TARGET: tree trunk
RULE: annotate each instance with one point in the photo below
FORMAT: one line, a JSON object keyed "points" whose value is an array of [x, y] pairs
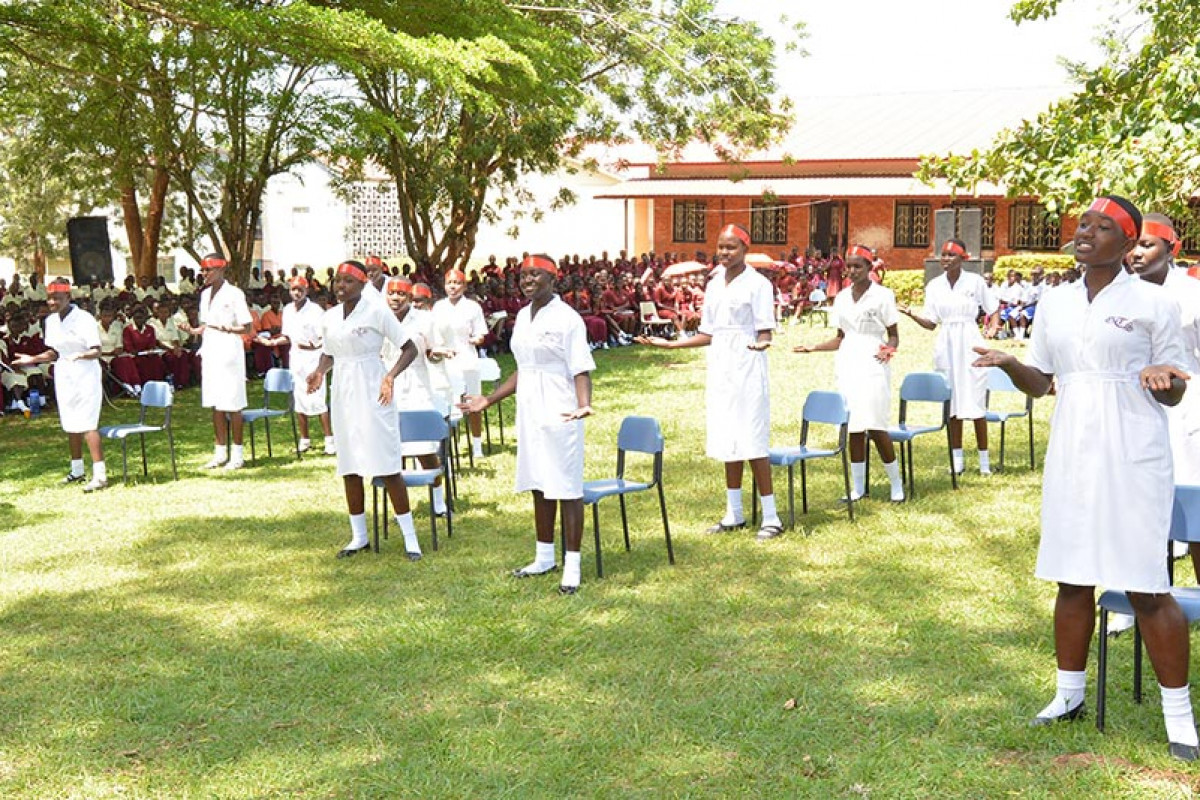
{"points": [[147, 260]]}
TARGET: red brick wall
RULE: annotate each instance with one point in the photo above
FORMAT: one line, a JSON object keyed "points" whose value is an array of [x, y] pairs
{"points": [[870, 222]]}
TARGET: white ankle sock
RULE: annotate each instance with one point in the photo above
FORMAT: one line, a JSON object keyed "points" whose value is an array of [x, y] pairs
{"points": [[99, 471], [220, 453], [358, 532], [893, 472], [858, 478], [770, 515], [305, 443], [476, 445], [77, 466], [733, 508], [439, 499], [236, 453], [543, 559], [985, 463], [957, 457], [1177, 714], [570, 576], [1070, 693], [405, 521]]}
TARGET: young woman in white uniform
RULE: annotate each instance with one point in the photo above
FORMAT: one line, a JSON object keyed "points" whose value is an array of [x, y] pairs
{"points": [[412, 390], [1112, 345], [73, 345], [459, 328], [736, 323], [364, 420], [300, 330], [953, 301], [553, 385], [224, 319], [867, 337]]}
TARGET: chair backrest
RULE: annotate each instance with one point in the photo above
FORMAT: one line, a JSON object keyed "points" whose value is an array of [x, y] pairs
{"points": [[641, 435], [826, 407], [925, 387], [817, 296], [278, 380], [648, 310], [157, 394], [489, 369], [1185, 514], [999, 381], [426, 425]]}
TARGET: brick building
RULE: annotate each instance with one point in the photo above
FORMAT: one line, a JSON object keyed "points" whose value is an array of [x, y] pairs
{"points": [[843, 174]]}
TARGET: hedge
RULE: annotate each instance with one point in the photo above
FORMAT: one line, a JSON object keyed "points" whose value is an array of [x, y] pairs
{"points": [[908, 285], [1025, 262]]}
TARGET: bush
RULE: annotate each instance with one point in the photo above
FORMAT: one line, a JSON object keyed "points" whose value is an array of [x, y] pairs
{"points": [[909, 286], [1025, 262]]}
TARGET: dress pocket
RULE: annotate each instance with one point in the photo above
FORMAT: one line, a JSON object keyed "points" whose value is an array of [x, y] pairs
{"points": [[1144, 439]]}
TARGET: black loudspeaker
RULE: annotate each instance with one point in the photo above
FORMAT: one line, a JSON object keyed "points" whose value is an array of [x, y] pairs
{"points": [[91, 253]]}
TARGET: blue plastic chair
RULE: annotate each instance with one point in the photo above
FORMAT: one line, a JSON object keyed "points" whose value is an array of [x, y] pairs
{"points": [[823, 408], [637, 435], [419, 427], [1185, 527], [999, 382], [155, 394], [922, 387], [277, 381]]}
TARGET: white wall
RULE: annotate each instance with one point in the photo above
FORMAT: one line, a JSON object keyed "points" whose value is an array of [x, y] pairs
{"points": [[304, 221]]}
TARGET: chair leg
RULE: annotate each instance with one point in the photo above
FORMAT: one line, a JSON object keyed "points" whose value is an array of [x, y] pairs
{"points": [[753, 500], [253, 452], [375, 517], [596, 535], [846, 477], [1102, 670], [500, 420], [295, 434], [125, 459], [487, 431], [1137, 662], [804, 487], [1031, 458], [662, 505], [950, 454], [624, 520], [433, 520], [171, 447], [1003, 429], [792, 496], [267, 426], [912, 472], [142, 442]]}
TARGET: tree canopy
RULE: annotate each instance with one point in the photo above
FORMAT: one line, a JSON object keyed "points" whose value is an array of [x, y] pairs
{"points": [[206, 100], [1131, 127]]}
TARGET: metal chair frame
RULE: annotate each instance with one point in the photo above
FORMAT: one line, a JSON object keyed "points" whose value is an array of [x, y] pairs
{"points": [[155, 394]]}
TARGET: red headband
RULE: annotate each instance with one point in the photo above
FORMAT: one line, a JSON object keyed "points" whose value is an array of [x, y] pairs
{"points": [[421, 290], [456, 273], [58, 285], [353, 270], [1162, 231], [374, 261], [861, 252], [214, 263], [400, 285], [954, 249], [298, 281], [738, 232], [1102, 205], [542, 263]]}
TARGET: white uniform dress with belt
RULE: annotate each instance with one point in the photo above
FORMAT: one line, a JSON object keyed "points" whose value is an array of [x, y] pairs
{"points": [[412, 390], [302, 326], [1107, 487], [368, 433], [77, 383], [861, 378], [737, 394], [955, 309], [550, 348], [1184, 419], [223, 354]]}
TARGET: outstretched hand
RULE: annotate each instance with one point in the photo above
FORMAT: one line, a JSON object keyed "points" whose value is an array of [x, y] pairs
{"points": [[579, 413], [992, 358], [652, 341], [313, 381], [758, 346], [802, 348], [473, 404]]}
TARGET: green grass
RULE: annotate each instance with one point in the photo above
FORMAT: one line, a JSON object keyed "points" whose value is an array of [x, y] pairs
{"points": [[198, 638]]}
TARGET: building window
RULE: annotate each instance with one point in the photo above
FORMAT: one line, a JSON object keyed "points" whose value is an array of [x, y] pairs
{"points": [[827, 224], [690, 220], [1031, 228], [1187, 228], [768, 223], [912, 225], [987, 230]]}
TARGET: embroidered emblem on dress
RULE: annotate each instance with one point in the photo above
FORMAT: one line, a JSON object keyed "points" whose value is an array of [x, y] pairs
{"points": [[1121, 322]]}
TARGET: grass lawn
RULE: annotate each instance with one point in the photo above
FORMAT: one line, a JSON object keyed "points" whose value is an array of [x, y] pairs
{"points": [[199, 639]]}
